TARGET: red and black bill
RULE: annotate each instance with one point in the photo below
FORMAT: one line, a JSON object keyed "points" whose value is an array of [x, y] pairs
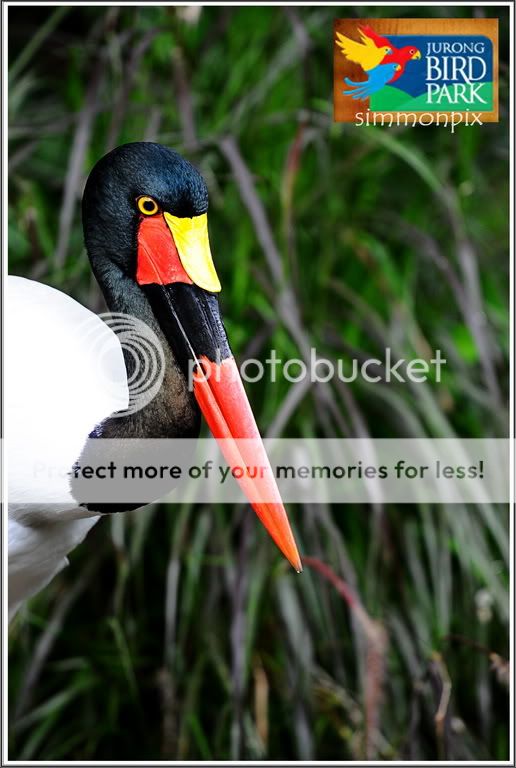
{"points": [[190, 319]]}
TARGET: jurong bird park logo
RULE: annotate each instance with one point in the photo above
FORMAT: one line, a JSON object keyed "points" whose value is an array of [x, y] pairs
{"points": [[416, 71]]}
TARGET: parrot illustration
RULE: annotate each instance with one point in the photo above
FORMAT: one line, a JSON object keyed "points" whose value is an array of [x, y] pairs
{"points": [[377, 78], [397, 55], [367, 53]]}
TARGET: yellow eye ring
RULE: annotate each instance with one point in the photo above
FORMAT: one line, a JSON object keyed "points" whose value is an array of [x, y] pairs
{"points": [[147, 205]]}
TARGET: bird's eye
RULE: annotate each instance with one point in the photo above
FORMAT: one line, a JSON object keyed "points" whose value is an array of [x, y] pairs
{"points": [[147, 205]]}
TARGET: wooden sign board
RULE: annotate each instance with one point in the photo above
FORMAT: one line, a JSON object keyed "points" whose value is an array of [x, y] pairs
{"points": [[436, 68]]}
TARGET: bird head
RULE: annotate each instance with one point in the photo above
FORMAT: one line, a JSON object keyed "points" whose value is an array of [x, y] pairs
{"points": [[145, 221], [409, 52]]}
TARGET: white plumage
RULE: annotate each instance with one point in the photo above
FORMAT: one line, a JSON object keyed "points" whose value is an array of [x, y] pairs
{"points": [[65, 373]]}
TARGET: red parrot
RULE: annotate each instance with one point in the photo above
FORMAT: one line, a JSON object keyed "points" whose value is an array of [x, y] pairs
{"points": [[398, 56]]}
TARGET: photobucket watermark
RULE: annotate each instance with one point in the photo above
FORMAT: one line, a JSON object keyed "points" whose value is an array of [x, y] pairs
{"points": [[117, 339], [321, 370]]}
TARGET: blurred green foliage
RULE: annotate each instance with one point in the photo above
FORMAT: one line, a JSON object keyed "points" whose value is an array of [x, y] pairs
{"points": [[178, 633]]}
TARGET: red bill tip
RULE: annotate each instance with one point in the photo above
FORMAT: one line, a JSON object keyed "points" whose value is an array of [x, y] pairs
{"points": [[224, 404]]}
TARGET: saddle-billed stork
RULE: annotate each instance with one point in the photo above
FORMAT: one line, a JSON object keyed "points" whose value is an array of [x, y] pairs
{"points": [[145, 229]]}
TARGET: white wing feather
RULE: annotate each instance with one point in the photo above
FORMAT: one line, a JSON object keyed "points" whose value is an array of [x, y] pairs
{"points": [[65, 373]]}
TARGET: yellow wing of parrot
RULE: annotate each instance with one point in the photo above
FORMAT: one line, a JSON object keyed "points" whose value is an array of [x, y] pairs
{"points": [[367, 54]]}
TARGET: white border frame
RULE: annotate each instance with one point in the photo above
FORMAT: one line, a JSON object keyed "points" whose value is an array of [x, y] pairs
{"points": [[401, 3]]}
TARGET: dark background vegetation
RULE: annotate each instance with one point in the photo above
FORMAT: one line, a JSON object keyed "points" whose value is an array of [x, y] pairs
{"points": [[179, 632]]}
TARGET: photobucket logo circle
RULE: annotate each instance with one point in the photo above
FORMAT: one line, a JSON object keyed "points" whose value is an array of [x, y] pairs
{"points": [[143, 354]]}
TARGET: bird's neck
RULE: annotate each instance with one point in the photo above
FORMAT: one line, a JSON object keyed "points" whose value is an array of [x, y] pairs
{"points": [[172, 411]]}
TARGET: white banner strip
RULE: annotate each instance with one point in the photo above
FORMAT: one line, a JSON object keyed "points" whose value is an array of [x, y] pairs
{"points": [[318, 471]]}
